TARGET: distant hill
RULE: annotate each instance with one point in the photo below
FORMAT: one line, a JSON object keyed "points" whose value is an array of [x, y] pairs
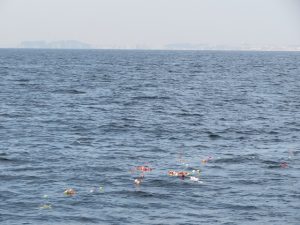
{"points": [[68, 44]]}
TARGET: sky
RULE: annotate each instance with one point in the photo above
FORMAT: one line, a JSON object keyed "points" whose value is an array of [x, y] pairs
{"points": [[151, 23]]}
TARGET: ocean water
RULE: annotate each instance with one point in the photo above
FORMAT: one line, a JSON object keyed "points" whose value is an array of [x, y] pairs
{"points": [[84, 119]]}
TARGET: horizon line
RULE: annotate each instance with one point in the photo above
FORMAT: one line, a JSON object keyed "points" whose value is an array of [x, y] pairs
{"points": [[158, 49]]}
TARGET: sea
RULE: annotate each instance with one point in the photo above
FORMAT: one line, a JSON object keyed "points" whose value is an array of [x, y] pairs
{"points": [[92, 137]]}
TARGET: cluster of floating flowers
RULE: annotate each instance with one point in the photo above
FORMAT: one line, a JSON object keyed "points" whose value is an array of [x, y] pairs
{"points": [[193, 175]]}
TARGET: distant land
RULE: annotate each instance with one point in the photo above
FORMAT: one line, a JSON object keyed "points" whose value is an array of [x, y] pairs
{"points": [[73, 44], [242, 47], [68, 44]]}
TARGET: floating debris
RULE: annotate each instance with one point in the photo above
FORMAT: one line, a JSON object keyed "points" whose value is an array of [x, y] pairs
{"points": [[284, 165], [194, 179], [46, 206], [93, 190], [70, 192], [100, 189], [291, 154], [45, 196], [183, 161], [206, 160], [196, 171]]}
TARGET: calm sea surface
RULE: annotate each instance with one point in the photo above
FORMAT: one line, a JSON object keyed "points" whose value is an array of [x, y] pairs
{"points": [[85, 120]]}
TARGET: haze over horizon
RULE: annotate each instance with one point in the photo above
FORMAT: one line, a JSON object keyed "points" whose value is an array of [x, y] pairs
{"points": [[153, 24]]}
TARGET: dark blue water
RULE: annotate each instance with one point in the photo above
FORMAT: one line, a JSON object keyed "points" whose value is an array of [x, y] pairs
{"points": [[85, 119]]}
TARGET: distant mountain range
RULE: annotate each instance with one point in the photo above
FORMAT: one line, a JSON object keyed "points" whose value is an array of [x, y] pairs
{"points": [[68, 44]]}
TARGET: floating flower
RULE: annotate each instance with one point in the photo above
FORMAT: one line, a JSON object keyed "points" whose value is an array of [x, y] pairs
{"points": [[101, 189], [143, 168], [178, 174], [284, 165], [138, 181], [70, 192]]}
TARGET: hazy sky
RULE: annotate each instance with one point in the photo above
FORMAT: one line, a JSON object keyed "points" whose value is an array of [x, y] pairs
{"points": [[151, 22]]}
